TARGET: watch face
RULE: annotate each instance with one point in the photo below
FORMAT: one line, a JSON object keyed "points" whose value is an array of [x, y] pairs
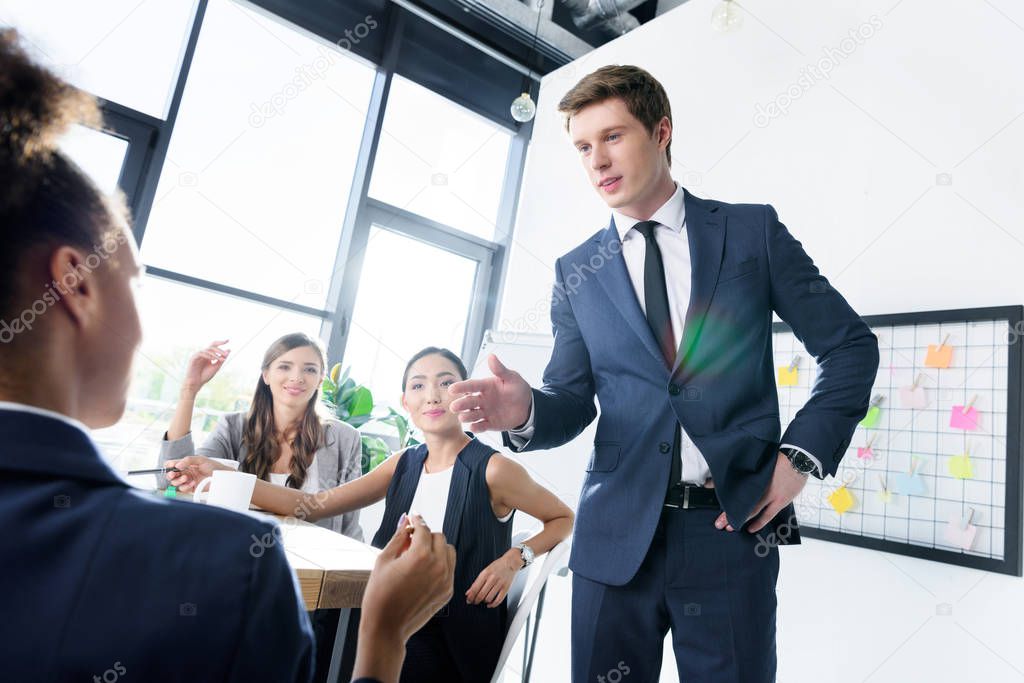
{"points": [[801, 463]]}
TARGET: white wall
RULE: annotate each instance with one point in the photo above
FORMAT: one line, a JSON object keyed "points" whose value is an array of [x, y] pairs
{"points": [[852, 169]]}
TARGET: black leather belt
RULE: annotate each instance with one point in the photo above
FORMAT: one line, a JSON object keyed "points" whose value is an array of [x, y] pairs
{"points": [[689, 496]]}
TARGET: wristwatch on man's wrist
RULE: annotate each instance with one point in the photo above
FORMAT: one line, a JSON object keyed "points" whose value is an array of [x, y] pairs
{"points": [[799, 460]]}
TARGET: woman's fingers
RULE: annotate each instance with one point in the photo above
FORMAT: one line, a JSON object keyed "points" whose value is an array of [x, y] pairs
{"points": [[498, 598], [492, 592], [475, 588]]}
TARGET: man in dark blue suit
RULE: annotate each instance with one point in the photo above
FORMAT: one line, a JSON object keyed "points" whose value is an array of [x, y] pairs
{"points": [[665, 316]]}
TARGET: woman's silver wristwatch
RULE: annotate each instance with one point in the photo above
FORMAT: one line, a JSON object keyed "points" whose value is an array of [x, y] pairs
{"points": [[527, 554]]}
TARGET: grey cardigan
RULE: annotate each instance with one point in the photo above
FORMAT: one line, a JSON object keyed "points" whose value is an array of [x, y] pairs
{"points": [[338, 461]]}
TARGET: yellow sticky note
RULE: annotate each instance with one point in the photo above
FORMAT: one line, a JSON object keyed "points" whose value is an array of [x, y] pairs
{"points": [[841, 499], [885, 495], [960, 467], [938, 356], [787, 377], [871, 419]]}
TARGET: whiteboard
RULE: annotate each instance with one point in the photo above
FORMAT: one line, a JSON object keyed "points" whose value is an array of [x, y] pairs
{"points": [[941, 480]]}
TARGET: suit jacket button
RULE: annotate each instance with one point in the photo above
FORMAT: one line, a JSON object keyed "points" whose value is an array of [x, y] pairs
{"points": [[674, 389], [664, 446]]}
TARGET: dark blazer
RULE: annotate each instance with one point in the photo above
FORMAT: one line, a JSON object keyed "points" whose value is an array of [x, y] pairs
{"points": [[100, 578], [745, 265]]}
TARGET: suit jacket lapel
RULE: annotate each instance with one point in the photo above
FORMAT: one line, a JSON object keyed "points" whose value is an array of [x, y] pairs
{"points": [[705, 234], [615, 279]]}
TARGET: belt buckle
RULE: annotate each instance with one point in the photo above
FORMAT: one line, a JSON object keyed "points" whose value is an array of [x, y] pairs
{"points": [[686, 497]]}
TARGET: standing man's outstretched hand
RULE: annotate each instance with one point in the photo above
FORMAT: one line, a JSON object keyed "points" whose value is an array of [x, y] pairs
{"points": [[501, 402]]}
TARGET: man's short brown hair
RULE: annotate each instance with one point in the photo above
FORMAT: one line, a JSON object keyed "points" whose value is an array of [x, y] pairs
{"points": [[644, 96]]}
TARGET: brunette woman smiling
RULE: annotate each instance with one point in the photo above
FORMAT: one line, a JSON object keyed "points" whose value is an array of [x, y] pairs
{"points": [[283, 439]]}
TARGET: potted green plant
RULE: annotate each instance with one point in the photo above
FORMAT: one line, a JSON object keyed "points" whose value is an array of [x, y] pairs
{"points": [[352, 403]]}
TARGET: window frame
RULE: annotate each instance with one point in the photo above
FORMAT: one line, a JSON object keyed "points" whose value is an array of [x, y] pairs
{"points": [[149, 138]]}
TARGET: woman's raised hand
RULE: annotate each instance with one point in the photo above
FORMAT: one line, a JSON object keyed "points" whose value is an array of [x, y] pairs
{"points": [[204, 365]]}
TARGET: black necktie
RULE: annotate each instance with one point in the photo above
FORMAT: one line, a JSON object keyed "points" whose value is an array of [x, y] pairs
{"points": [[659, 317]]}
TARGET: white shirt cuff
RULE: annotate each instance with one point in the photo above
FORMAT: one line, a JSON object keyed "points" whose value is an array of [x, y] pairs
{"points": [[520, 437]]}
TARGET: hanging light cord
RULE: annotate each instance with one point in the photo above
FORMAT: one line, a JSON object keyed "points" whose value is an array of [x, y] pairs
{"points": [[536, 31]]}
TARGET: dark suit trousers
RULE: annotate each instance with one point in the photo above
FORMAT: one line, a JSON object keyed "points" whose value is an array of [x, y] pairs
{"points": [[713, 588]]}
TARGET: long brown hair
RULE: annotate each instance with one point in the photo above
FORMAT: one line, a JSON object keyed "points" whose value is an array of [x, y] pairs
{"points": [[259, 437]]}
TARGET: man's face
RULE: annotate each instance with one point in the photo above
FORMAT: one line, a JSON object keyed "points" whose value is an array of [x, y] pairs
{"points": [[622, 159]]}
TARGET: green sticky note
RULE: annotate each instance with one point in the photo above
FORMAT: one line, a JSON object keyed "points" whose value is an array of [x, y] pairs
{"points": [[871, 419]]}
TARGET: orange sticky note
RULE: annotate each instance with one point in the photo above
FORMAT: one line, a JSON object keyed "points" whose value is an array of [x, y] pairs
{"points": [[787, 377], [938, 356], [841, 499]]}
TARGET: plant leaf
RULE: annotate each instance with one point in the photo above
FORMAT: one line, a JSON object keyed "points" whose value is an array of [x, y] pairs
{"points": [[362, 402]]}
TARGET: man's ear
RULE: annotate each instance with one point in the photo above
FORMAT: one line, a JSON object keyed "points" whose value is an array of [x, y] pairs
{"points": [[79, 293], [664, 131]]}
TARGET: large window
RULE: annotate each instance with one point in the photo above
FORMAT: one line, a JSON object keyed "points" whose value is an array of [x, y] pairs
{"points": [[122, 50], [254, 187], [280, 183], [440, 160], [411, 295]]}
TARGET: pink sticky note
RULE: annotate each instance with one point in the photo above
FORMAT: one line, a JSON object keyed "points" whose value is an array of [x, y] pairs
{"points": [[911, 397], [865, 453], [958, 534], [958, 419]]}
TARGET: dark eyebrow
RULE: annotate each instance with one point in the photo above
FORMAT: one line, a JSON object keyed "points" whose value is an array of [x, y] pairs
{"points": [[440, 374]]}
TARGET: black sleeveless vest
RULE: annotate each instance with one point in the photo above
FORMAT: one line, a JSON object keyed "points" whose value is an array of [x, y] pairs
{"points": [[474, 633]]}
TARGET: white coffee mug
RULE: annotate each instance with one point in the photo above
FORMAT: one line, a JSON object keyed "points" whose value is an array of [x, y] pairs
{"points": [[231, 490]]}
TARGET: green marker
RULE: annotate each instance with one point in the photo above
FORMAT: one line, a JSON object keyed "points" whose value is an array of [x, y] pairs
{"points": [[171, 492]]}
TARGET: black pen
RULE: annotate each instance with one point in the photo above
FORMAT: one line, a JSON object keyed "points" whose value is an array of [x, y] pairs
{"points": [[158, 470]]}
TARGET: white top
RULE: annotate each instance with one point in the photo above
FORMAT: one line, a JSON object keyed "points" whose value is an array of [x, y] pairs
{"points": [[670, 234], [312, 483], [431, 499]]}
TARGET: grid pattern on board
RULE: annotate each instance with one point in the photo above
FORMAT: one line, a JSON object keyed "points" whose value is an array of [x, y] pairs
{"points": [[921, 438]]}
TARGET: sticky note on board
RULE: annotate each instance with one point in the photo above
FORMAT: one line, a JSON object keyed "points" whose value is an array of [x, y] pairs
{"points": [[960, 535], [865, 453], [871, 418], [884, 495], [787, 377], [910, 484], [960, 466], [938, 356], [913, 397], [958, 419], [841, 499]]}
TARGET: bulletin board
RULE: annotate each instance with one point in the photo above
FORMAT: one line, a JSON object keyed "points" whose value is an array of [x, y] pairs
{"points": [[934, 469]]}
